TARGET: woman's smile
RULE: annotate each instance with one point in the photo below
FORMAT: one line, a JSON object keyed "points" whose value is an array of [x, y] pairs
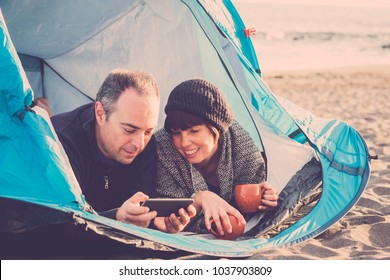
{"points": [[191, 153]]}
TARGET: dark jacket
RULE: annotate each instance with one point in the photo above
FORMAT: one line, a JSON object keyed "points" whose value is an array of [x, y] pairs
{"points": [[76, 131]]}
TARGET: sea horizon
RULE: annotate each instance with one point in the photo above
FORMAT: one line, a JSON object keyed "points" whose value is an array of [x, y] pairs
{"points": [[308, 37]]}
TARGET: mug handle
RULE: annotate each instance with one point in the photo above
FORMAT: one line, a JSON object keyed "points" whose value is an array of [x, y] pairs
{"points": [[213, 228]]}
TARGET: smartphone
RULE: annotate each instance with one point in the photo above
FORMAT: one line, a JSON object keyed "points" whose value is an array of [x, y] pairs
{"points": [[167, 206]]}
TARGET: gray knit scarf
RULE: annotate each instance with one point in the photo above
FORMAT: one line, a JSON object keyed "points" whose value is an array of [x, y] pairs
{"points": [[240, 163]]}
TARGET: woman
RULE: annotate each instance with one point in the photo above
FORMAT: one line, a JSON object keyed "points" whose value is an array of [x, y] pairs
{"points": [[203, 153]]}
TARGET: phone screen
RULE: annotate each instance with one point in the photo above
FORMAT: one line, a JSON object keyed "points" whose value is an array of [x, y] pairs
{"points": [[167, 206]]}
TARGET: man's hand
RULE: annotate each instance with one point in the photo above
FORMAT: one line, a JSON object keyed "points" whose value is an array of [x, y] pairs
{"points": [[44, 104], [173, 223], [131, 212]]}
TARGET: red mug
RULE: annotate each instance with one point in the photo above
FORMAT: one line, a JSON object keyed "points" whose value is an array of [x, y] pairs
{"points": [[237, 229], [248, 197]]}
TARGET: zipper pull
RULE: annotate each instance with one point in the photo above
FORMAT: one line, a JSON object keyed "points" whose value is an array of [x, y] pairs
{"points": [[106, 182]]}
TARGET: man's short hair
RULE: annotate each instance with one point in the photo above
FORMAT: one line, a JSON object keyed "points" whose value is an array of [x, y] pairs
{"points": [[121, 79]]}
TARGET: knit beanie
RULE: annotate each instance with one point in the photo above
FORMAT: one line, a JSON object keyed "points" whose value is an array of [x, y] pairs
{"points": [[201, 98]]}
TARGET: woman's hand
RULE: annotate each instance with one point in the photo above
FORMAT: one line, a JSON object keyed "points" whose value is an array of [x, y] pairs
{"points": [[217, 209], [173, 223], [270, 197]]}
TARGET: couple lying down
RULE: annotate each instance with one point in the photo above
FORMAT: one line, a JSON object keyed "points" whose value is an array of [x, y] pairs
{"points": [[201, 152]]}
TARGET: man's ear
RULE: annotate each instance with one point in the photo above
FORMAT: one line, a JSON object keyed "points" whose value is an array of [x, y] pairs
{"points": [[100, 114]]}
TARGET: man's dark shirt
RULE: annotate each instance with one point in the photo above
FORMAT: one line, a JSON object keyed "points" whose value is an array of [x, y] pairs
{"points": [[106, 184]]}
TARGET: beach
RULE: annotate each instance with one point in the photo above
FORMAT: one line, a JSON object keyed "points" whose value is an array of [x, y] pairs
{"points": [[300, 49], [359, 96]]}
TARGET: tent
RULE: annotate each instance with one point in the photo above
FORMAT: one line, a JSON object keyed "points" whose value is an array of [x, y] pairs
{"points": [[63, 51]]}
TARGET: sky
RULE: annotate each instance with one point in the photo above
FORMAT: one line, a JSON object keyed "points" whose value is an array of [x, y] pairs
{"points": [[375, 3]]}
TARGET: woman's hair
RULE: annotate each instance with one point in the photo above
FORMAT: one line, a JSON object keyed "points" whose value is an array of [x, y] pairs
{"points": [[179, 120]]}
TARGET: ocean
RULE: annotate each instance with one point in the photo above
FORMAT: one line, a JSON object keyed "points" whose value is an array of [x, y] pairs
{"points": [[303, 37]]}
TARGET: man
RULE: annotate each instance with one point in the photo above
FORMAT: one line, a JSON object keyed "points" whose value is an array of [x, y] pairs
{"points": [[111, 149]]}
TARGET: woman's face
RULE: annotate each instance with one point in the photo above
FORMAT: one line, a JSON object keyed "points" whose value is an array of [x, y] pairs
{"points": [[196, 144]]}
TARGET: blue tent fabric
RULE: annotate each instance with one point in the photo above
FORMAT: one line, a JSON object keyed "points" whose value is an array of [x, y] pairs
{"points": [[34, 167], [14, 85]]}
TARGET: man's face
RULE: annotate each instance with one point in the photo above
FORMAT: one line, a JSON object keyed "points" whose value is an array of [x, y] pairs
{"points": [[129, 127]]}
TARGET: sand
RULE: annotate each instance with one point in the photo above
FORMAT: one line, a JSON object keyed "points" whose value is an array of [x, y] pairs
{"points": [[360, 96]]}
